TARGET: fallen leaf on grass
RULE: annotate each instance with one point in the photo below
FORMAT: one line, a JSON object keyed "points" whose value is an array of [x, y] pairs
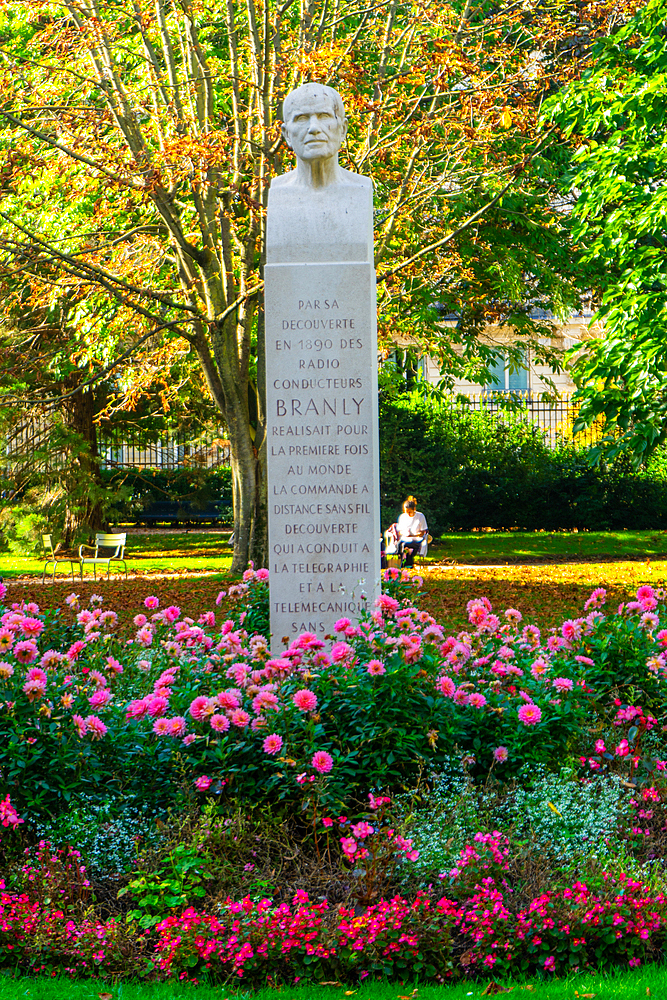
{"points": [[350, 993], [584, 996], [330, 982], [494, 988], [105, 996]]}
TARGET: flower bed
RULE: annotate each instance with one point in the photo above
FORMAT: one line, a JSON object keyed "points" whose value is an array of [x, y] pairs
{"points": [[202, 717], [429, 937]]}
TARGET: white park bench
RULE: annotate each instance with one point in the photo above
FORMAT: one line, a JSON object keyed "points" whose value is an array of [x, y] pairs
{"points": [[114, 551]]}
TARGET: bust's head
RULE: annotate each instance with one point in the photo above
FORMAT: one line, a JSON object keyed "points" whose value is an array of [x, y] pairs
{"points": [[314, 122]]}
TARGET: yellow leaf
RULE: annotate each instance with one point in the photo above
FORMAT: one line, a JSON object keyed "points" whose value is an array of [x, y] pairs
{"points": [[506, 118], [553, 809], [105, 996]]}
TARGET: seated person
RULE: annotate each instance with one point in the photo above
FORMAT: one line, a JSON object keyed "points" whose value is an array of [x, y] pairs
{"points": [[413, 529]]}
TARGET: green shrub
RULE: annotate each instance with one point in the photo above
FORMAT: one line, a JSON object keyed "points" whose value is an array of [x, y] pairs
{"points": [[479, 469]]}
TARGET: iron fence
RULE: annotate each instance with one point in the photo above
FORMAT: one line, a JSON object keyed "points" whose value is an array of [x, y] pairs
{"points": [[555, 418], [117, 450], [28, 444]]}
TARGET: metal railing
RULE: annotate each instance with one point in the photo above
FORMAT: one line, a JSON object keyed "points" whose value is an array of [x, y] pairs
{"points": [[555, 418], [171, 451], [28, 445]]}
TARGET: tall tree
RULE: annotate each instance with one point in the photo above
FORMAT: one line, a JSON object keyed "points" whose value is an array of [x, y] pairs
{"points": [[140, 137], [617, 117]]}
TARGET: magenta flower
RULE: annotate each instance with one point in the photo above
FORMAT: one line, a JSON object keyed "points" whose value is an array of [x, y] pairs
{"points": [[203, 783], [100, 698], [161, 727], [157, 705], [562, 683], [530, 714], [477, 700], [95, 727], [445, 685], [198, 707], [273, 744], [549, 964], [362, 830], [375, 668], [152, 603], [305, 700], [342, 624], [26, 651], [177, 725], [220, 723], [341, 651], [349, 846], [262, 575], [322, 762], [171, 613], [31, 627], [80, 724], [500, 754], [240, 718]]}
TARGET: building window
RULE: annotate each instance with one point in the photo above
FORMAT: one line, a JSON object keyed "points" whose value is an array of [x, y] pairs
{"points": [[515, 380]]}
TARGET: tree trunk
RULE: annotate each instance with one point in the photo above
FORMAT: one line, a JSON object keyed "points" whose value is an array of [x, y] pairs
{"points": [[82, 477]]}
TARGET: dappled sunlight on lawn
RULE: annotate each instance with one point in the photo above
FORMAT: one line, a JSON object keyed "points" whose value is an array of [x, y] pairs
{"points": [[545, 593]]}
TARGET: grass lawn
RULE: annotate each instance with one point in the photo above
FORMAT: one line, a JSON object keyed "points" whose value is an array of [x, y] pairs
{"points": [[196, 552], [189, 568], [172, 552], [650, 981], [537, 546]]}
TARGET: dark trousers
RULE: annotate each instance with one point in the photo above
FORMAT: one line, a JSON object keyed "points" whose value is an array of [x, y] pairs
{"points": [[408, 551]]}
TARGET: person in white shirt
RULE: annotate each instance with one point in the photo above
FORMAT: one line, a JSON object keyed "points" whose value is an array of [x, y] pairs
{"points": [[413, 529]]}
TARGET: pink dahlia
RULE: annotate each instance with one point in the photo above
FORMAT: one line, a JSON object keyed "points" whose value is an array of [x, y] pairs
{"points": [[562, 683], [198, 707], [273, 744], [177, 725], [500, 754], [477, 700], [240, 718], [220, 723], [322, 761], [26, 651], [100, 698], [375, 668], [305, 700], [445, 685], [95, 727], [152, 603], [530, 714], [31, 627]]}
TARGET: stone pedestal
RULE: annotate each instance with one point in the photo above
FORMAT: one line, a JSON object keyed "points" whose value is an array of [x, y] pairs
{"points": [[321, 364]]}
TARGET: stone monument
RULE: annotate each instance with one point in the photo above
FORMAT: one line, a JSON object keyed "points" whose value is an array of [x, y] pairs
{"points": [[321, 374]]}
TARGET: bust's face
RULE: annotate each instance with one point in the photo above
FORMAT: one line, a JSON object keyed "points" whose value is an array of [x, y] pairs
{"points": [[312, 129]]}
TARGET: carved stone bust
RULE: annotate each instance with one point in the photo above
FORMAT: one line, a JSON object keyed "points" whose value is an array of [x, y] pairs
{"points": [[319, 212], [315, 126]]}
